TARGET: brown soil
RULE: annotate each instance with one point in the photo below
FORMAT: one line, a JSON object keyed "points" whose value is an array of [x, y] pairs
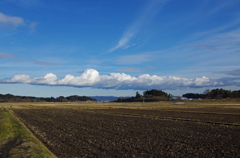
{"points": [[208, 110], [75, 133], [224, 116]]}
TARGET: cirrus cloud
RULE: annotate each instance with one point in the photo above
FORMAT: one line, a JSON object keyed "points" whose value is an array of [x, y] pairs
{"points": [[92, 78], [151, 9]]}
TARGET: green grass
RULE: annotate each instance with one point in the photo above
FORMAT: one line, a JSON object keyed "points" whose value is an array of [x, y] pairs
{"points": [[17, 141]]}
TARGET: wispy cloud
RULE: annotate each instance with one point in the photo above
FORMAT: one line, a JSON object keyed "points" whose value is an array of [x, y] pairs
{"points": [[213, 50], [129, 70], [237, 51], [32, 26], [153, 7], [26, 3], [9, 34], [43, 63], [36, 62], [235, 72], [92, 78], [205, 47], [222, 28], [5, 55], [6, 20], [151, 68], [220, 5]]}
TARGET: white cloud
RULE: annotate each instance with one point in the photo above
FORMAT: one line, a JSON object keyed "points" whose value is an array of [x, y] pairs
{"points": [[88, 78], [48, 79], [153, 7], [92, 78], [19, 78], [15, 21], [124, 40], [11, 20]]}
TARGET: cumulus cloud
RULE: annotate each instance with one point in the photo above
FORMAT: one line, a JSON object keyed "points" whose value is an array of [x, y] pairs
{"points": [[19, 78], [92, 78], [48, 79]]}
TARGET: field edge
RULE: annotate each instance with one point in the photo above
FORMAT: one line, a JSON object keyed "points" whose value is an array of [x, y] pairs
{"points": [[17, 140]]}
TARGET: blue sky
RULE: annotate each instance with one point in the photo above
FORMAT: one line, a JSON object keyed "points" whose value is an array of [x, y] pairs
{"points": [[59, 47]]}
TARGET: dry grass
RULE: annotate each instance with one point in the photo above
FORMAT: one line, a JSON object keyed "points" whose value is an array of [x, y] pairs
{"points": [[138, 105], [17, 141]]}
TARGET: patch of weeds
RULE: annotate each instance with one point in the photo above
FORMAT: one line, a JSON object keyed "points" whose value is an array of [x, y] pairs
{"points": [[6, 126], [17, 141], [197, 120]]}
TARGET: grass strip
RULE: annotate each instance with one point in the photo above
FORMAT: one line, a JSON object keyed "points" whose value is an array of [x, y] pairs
{"points": [[16, 141]]}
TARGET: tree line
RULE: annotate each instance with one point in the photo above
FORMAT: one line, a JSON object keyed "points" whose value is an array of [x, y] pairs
{"points": [[158, 95], [214, 94], [147, 96], [73, 98]]}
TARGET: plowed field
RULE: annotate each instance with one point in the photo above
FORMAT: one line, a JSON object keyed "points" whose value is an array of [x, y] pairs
{"points": [[76, 133], [223, 116]]}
